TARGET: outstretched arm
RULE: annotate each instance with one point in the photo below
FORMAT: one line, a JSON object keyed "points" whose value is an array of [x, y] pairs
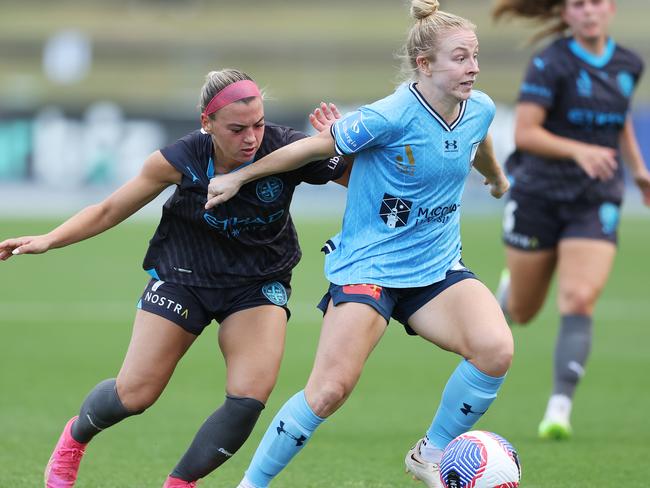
{"points": [[321, 119], [634, 159], [486, 163], [156, 174], [287, 158]]}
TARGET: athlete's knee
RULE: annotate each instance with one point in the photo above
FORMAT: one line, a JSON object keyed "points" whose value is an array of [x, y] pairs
{"points": [[327, 396], [521, 315], [137, 397], [257, 384], [494, 356], [260, 391], [579, 300]]}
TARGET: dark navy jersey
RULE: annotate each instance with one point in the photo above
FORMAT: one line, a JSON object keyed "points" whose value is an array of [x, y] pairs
{"points": [[587, 99], [248, 238]]}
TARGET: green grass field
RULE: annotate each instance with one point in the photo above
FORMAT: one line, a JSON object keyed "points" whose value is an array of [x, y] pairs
{"points": [[65, 321]]}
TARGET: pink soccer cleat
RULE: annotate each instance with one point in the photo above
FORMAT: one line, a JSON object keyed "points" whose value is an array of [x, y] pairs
{"points": [[172, 482], [61, 469]]}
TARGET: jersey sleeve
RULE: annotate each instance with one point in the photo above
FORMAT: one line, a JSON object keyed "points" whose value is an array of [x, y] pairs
{"points": [[183, 155], [638, 67], [360, 130], [540, 82], [320, 172], [487, 109]]}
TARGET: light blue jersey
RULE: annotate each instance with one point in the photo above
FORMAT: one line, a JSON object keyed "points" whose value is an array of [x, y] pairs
{"points": [[401, 226]]}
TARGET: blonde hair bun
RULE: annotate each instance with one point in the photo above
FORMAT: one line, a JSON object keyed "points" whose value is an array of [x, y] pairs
{"points": [[421, 9]]}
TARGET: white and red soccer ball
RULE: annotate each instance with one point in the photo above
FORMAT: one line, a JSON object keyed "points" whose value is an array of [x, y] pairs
{"points": [[480, 459]]}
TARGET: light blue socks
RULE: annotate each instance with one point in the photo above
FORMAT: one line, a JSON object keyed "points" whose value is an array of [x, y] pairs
{"points": [[288, 433], [467, 396]]}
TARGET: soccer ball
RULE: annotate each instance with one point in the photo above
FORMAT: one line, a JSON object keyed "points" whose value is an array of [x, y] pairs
{"points": [[480, 459]]}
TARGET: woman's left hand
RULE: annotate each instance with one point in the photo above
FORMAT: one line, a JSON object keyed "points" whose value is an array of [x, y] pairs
{"points": [[642, 180], [498, 185], [323, 117]]}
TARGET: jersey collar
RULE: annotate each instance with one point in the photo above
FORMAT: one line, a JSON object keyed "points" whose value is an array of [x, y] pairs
{"points": [[210, 171], [590, 58], [436, 115]]}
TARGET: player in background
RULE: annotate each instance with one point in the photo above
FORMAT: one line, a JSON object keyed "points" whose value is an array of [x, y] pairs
{"points": [[231, 264], [573, 130], [399, 251]]}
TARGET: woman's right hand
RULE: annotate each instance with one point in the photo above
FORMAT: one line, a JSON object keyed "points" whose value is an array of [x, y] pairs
{"points": [[323, 117], [597, 161], [222, 188], [23, 245]]}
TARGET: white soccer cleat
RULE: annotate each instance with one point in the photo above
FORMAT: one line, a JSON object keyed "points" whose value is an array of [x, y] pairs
{"points": [[554, 430], [421, 470], [556, 424], [245, 483]]}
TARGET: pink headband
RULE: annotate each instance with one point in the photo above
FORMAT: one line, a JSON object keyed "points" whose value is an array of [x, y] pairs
{"points": [[233, 92]]}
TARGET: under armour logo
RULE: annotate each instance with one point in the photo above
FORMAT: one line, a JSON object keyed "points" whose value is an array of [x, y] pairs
{"points": [[451, 146], [299, 440], [467, 409]]}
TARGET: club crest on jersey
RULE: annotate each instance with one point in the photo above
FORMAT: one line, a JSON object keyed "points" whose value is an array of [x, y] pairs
{"points": [[395, 211], [269, 189], [625, 83], [408, 167], [275, 292]]}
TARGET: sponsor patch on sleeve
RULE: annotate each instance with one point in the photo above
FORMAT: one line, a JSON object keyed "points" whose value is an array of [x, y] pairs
{"points": [[352, 134]]}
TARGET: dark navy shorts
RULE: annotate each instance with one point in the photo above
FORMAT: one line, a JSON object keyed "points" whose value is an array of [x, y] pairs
{"points": [[399, 303], [531, 223], [194, 307]]}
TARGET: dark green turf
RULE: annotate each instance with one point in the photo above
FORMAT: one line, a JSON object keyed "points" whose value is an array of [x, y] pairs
{"points": [[65, 320]]}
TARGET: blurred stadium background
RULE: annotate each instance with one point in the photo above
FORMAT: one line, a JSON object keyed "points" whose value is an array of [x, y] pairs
{"points": [[89, 88]]}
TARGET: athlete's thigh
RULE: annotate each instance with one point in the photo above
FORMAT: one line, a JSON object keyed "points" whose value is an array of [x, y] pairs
{"points": [[350, 332], [583, 269], [530, 278], [463, 318], [252, 343], [531, 230], [157, 344]]}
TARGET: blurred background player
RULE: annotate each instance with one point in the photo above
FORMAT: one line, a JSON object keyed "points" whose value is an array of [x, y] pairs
{"points": [[573, 129], [232, 264], [398, 253]]}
